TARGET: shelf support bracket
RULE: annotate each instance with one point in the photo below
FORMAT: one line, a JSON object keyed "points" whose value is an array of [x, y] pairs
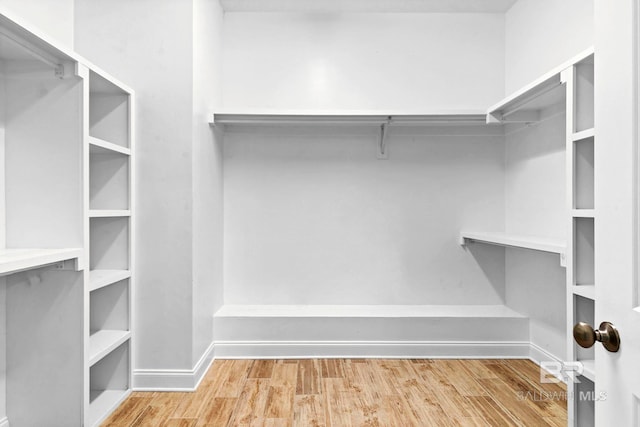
{"points": [[563, 259], [383, 153]]}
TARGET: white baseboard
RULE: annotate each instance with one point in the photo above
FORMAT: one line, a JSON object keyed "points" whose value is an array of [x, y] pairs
{"points": [[4, 422], [538, 355], [369, 349], [173, 379], [189, 379]]}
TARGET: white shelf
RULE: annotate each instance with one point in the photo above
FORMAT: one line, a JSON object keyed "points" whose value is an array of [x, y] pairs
{"points": [[99, 146], [109, 213], [583, 213], [16, 260], [103, 342], [101, 278], [103, 402], [582, 135], [586, 291], [541, 93], [355, 117], [589, 369], [556, 246]]}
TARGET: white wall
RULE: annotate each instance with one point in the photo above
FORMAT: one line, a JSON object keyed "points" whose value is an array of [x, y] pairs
{"points": [[312, 217], [207, 172], [363, 61], [148, 45], [542, 34], [54, 17]]}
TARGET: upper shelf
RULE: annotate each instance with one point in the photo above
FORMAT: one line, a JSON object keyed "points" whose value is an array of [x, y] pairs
{"points": [[525, 104], [16, 260], [346, 117], [544, 244]]}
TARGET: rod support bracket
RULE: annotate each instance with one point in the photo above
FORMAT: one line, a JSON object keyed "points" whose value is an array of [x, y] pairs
{"points": [[383, 152]]}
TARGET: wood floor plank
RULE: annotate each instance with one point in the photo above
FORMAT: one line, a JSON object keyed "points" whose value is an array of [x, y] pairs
{"points": [[338, 412], [217, 412], [491, 412], [332, 368], [308, 410], [285, 375], [262, 369], [252, 403], [279, 401], [233, 378], [308, 377], [461, 378]]}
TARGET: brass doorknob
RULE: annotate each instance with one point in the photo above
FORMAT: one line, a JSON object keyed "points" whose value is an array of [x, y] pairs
{"points": [[608, 335]]}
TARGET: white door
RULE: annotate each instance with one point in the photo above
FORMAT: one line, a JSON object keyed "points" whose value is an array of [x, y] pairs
{"points": [[616, 197]]}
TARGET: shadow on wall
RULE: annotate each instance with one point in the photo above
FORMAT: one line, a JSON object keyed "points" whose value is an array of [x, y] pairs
{"points": [[491, 260]]}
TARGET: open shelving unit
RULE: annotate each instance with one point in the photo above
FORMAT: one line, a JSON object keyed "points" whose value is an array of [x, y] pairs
{"points": [[581, 286], [108, 294]]}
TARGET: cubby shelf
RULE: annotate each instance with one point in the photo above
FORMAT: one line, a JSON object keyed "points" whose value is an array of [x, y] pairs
{"points": [[16, 260], [99, 146], [103, 342], [589, 369], [582, 135], [583, 213], [109, 213], [586, 291], [101, 278], [556, 246]]}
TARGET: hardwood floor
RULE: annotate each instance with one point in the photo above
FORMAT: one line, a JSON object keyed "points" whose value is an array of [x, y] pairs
{"points": [[355, 392]]}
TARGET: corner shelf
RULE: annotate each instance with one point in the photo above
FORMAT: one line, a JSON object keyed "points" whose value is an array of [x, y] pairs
{"points": [[16, 260], [586, 291], [99, 146], [543, 244], [104, 342], [582, 135], [109, 213], [583, 213], [101, 278]]}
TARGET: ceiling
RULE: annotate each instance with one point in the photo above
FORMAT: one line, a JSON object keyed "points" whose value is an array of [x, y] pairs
{"points": [[390, 6]]}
